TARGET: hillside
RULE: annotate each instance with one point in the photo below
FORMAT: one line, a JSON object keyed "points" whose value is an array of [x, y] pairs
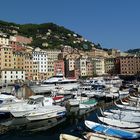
{"points": [[48, 35], [134, 51]]}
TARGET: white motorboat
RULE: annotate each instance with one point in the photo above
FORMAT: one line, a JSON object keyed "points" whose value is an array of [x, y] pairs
{"points": [[123, 117], [34, 102], [112, 95], [134, 98], [82, 107], [118, 111], [55, 81], [8, 100], [114, 80], [46, 113], [59, 79], [127, 107], [123, 92], [121, 124], [99, 94]]}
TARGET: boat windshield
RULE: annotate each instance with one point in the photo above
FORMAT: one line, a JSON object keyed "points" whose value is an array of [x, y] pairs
{"points": [[31, 102]]}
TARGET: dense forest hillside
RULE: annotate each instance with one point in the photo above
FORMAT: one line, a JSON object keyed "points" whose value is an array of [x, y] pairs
{"points": [[48, 35]]}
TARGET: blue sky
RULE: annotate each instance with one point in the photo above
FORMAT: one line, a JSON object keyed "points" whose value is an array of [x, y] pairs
{"points": [[112, 23]]}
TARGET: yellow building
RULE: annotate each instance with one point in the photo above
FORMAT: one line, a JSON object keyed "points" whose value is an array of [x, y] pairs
{"points": [[97, 53], [11, 65], [6, 57], [52, 56], [99, 66], [35, 71], [28, 66], [24, 61], [50, 68], [19, 60]]}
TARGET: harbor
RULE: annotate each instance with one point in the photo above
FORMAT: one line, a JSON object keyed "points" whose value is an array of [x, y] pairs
{"points": [[77, 109], [69, 70]]}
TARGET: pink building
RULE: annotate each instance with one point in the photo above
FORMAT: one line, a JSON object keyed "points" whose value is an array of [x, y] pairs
{"points": [[59, 67], [18, 43]]}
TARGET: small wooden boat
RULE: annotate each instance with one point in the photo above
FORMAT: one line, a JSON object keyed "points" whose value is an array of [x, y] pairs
{"points": [[111, 131], [68, 137], [98, 136]]}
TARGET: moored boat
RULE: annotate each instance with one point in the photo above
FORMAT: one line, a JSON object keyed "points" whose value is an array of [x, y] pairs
{"points": [[68, 137], [99, 136], [133, 108], [6, 102], [121, 124], [34, 103], [57, 80], [111, 131], [120, 111], [123, 117], [46, 113]]}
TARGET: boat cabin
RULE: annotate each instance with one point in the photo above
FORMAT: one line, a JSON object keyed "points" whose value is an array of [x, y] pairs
{"points": [[40, 99]]}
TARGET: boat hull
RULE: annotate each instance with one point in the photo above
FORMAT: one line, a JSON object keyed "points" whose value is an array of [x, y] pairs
{"points": [[111, 131], [68, 137], [35, 117], [121, 124]]}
